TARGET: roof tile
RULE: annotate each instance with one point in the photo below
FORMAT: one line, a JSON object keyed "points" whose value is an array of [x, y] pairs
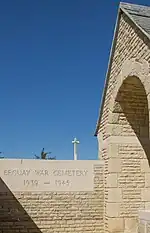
{"points": [[140, 14]]}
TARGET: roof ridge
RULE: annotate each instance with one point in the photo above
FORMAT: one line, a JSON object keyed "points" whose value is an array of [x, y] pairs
{"points": [[136, 9], [140, 17], [134, 5]]}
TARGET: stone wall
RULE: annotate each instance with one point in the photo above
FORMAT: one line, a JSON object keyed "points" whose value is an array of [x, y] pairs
{"points": [[130, 44], [124, 131], [52, 211], [144, 222]]}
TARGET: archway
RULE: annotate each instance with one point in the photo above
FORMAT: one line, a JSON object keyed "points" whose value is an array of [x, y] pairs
{"points": [[129, 163], [130, 110]]}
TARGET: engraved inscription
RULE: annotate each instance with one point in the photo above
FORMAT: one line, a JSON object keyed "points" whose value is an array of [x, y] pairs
{"points": [[30, 182], [17, 172], [62, 182], [41, 172], [70, 172], [31, 175]]}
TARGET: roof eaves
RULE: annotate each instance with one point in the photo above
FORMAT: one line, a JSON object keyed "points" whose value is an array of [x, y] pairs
{"points": [[108, 71]]}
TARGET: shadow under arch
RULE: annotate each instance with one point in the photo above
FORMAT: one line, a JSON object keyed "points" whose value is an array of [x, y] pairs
{"points": [[131, 107], [130, 123]]}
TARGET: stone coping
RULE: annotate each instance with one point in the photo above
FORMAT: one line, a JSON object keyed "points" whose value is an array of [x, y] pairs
{"points": [[99, 162]]}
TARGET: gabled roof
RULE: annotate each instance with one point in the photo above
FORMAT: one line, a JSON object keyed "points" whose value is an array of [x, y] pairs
{"points": [[140, 16]]}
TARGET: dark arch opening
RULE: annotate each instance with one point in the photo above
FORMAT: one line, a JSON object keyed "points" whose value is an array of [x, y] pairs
{"points": [[132, 105], [131, 115]]}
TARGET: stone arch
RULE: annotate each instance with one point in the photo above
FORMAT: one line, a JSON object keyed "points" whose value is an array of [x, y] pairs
{"points": [[130, 110], [132, 68], [128, 179]]}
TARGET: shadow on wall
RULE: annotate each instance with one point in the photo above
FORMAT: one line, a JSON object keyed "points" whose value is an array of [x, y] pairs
{"points": [[132, 104], [13, 217]]}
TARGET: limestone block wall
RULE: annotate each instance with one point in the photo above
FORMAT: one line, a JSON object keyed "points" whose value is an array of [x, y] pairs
{"points": [[144, 222], [47, 212], [130, 44], [124, 131]]}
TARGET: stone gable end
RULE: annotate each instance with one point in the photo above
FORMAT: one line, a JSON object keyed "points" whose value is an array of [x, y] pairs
{"points": [[123, 129]]}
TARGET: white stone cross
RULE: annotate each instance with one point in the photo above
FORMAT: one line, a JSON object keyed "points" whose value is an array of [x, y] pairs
{"points": [[75, 142]]}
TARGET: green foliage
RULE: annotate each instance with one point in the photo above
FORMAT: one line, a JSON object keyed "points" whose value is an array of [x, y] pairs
{"points": [[44, 155]]}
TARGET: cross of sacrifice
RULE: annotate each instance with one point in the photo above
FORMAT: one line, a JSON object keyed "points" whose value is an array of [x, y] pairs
{"points": [[75, 142]]}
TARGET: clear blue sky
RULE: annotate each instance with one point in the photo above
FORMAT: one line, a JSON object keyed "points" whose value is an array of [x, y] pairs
{"points": [[53, 60]]}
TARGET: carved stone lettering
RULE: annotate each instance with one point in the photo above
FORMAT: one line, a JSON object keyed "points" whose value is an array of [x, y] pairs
{"points": [[62, 182], [70, 172], [38, 175], [17, 172], [42, 172], [30, 182]]}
